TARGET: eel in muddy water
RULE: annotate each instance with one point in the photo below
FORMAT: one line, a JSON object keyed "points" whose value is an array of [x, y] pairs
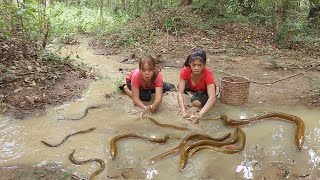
{"points": [[192, 136], [300, 131], [166, 125], [84, 114], [95, 173], [68, 136], [143, 116], [113, 147], [238, 134], [229, 149]]}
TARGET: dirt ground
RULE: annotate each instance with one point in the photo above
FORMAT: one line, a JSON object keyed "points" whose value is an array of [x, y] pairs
{"points": [[29, 85], [278, 76]]}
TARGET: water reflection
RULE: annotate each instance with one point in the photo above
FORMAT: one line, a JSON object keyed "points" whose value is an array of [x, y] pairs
{"points": [[314, 158]]}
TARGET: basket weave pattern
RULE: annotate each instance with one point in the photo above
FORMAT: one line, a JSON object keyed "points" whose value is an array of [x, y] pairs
{"points": [[234, 90]]}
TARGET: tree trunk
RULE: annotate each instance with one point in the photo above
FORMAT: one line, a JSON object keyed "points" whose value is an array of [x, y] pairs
{"points": [[123, 5], [185, 2], [281, 15], [101, 14], [21, 28]]}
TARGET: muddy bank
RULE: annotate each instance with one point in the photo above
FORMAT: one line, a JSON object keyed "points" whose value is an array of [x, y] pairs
{"points": [[31, 81]]}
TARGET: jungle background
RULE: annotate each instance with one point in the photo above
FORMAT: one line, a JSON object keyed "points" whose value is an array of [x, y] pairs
{"points": [[34, 76]]}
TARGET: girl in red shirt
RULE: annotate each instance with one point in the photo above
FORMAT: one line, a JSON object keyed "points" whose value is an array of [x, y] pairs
{"points": [[147, 79], [197, 81]]}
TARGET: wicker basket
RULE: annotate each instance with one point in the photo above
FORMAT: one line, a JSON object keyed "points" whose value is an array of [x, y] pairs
{"points": [[234, 90]]}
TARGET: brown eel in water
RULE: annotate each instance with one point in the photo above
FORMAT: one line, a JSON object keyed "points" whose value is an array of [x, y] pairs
{"points": [[185, 149], [166, 125], [225, 149], [67, 137], [192, 136], [143, 116], [95, 173], [113, 147], [300, 131], [84, 114]]}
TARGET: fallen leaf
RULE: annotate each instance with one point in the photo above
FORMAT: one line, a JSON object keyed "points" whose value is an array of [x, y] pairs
{"points": [[33, 83], [17, 90]]}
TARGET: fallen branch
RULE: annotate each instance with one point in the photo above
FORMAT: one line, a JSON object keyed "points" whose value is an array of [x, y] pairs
{"points": [[273, 82]]}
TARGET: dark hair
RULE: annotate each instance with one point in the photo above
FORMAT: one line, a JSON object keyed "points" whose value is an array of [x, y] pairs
{"points": [[152, 63], [196, 54]]}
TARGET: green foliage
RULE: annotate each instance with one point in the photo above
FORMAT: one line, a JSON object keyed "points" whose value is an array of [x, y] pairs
{"points": [[206, 7], [294, 30], [260, 18], [3, 9], [53, 56], [29, 20], [118, 82], [64, 175], [81, 19], [176, 24], [138, 8], [226, 19]]}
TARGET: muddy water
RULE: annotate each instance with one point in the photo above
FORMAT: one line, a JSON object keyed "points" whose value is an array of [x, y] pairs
{"points": [[270, 150]]}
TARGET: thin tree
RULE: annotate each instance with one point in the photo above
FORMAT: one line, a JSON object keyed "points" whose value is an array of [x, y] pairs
{"points": [[123, 5], [101, 20], [20, 16]]}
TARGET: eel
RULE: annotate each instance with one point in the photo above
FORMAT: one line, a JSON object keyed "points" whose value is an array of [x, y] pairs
{"points": [[113, 147], [166, 125], [225, 149], [68, 136], [84, 114], [192, 136], [185, 149], [300, 130], [143, 116], [95, 173]]}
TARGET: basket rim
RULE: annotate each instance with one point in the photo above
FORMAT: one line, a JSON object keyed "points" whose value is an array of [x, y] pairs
{"points": [[245, 80]]}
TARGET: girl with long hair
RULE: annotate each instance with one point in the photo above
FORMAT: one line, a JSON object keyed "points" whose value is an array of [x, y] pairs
{"points": [[140, 83], [197, 81]]}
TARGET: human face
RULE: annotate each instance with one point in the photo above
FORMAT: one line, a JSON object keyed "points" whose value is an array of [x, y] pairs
{"points": [[146, 72], [197, 67]]}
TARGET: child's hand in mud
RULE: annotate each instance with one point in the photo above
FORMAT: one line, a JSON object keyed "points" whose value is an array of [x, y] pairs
{"points": [[195, 118], [147, 112], [184, 113]]}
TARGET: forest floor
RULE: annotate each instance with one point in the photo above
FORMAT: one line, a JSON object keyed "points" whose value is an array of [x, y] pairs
{"points": [[29, 85]]}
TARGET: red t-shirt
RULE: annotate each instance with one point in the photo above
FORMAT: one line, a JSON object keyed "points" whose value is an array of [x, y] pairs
{"points": [[206, 79], [135, 78]]}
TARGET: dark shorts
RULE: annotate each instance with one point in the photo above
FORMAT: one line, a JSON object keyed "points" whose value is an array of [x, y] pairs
{"points": [[145, 95], [201, 96]]}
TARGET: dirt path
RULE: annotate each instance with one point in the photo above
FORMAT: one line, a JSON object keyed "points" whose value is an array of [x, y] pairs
{"points": [[280, 80]]}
